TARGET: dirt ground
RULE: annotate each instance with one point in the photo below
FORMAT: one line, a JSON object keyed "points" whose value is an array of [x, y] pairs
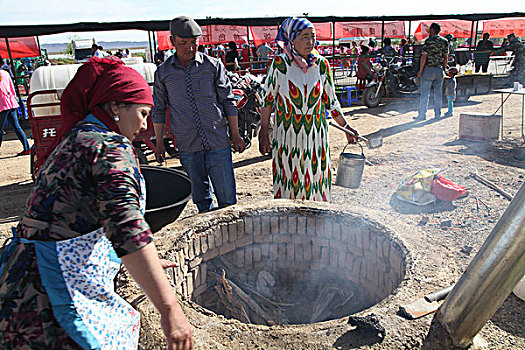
{"points": [[452, 232]]}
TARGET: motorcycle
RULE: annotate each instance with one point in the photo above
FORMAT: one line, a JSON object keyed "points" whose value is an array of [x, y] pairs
{"points": [[391, 80], [247, 90]]}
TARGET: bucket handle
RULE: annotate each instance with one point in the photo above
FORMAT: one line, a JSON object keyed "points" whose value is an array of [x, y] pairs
{"points": [[362, 151]]}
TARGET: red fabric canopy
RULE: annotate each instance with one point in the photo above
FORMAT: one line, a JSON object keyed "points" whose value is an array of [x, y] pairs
{"points": [[20, 47], [323, 31], [365, 29], [460, 29], [264, 34], [502, 28]]}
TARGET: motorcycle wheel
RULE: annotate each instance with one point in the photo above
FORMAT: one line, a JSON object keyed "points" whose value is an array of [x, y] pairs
{"points": [[369, 97]]}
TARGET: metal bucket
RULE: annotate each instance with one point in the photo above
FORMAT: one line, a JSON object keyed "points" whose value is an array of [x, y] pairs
{"points": [[350, 169]]}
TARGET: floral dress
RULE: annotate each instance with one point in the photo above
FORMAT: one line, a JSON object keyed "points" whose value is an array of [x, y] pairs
{"points": [[300, 147], [56, 275]]}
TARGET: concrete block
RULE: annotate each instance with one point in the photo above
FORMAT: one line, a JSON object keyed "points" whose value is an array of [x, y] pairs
{"points": [[204, 272], [336, 231], [211, 240], [204, 243], [299, 252], [325, 255], [265, 250], [195, 262], [262, 238], [217, 234], [240, 228], [334, 257], [225, 233], [248, 255], [290, 252], [310, 225], [323, 242], [274, 254], [265, 225], [239, 257], [307, 253], [281, 238], [328, 228]]}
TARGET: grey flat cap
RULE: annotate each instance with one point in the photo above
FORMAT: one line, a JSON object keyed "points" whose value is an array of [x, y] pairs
{"points": [[185, 27]]}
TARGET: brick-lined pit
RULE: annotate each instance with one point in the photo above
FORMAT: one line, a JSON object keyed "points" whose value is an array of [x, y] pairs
{"points": [[295, 246]]}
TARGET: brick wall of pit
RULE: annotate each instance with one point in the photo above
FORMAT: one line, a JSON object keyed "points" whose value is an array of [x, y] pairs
{"points": [[294, 247]]}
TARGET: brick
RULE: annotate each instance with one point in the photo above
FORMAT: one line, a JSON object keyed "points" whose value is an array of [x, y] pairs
{"points": [[373, 241], [262, 238], [183, 288], [274, 225], [198, 291], [386, 249], [316, 253], [191, 250], [265, 250], [232, 232], [337, 244], [265, 225], [325, 255], [244, 241], [299, 249], [319, 226], [210, 254], [197, 246], [358, 238], [226, 248], [224, 233], [239, 257], [366, 239], [307, 253], [189, 285], [204, 272], [292, 224], [240, 228], [281, 238], [334, 257], [310, 225], [211, 240], [204, 244], [290, 252], [301, 225], [195, 262], [283, 225], [328, 228], [256, 254], [248, 255], [336, 231], [248, 225], [323, 242], [257, 229], [217, 234]]}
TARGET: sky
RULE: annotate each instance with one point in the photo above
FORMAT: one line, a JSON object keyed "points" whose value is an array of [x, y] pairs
{"points": [[36, 12]]}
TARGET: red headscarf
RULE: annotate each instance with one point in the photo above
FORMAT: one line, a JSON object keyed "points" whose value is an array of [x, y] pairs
{"points": [[98, 81]]}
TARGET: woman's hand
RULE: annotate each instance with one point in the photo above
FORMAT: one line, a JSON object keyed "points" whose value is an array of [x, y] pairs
{"points": [[177, 330], [350, 138], [264, 143]]}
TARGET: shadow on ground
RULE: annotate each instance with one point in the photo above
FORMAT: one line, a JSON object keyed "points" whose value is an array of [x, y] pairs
{"points": [[509, 152], [407, 208], [357, 338], [509, 315]]}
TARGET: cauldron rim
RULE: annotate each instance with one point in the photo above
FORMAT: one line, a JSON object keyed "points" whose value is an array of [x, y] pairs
{"points": [[181, 173]]}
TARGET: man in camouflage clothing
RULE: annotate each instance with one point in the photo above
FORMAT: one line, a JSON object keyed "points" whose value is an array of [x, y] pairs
{"points": [[432, 66], [518, 66]]}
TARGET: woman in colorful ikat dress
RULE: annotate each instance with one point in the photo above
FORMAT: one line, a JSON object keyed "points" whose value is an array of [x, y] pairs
{"points": [[83, 217], [300, 89]]}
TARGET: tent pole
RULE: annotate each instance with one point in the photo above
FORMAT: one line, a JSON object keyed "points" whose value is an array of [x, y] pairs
{"points": [[333, 50], [38, 44], [382, 33], [476, 34], [471, 34], [155, 48], [149, 44], [14, 73], [409, 31]]}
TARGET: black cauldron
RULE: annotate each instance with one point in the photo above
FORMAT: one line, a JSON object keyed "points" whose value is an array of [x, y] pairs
{"points": [[167, 192]]}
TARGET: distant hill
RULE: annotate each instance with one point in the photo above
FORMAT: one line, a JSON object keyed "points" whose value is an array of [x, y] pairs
{"points": [[107, 45]]}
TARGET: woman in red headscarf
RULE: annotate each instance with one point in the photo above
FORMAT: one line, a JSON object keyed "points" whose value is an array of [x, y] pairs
{"points": [[83, 217]]}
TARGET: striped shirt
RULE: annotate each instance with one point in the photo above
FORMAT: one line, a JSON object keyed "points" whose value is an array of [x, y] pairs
{"points": [[213, 96]]}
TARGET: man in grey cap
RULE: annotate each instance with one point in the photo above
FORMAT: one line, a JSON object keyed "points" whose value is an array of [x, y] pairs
{"points": [[201, 107], [518, 65]]}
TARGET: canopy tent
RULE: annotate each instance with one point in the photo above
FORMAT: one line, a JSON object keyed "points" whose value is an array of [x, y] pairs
{"points": [[20, 47], [369, 29], [502, 28], [460, 29]]}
